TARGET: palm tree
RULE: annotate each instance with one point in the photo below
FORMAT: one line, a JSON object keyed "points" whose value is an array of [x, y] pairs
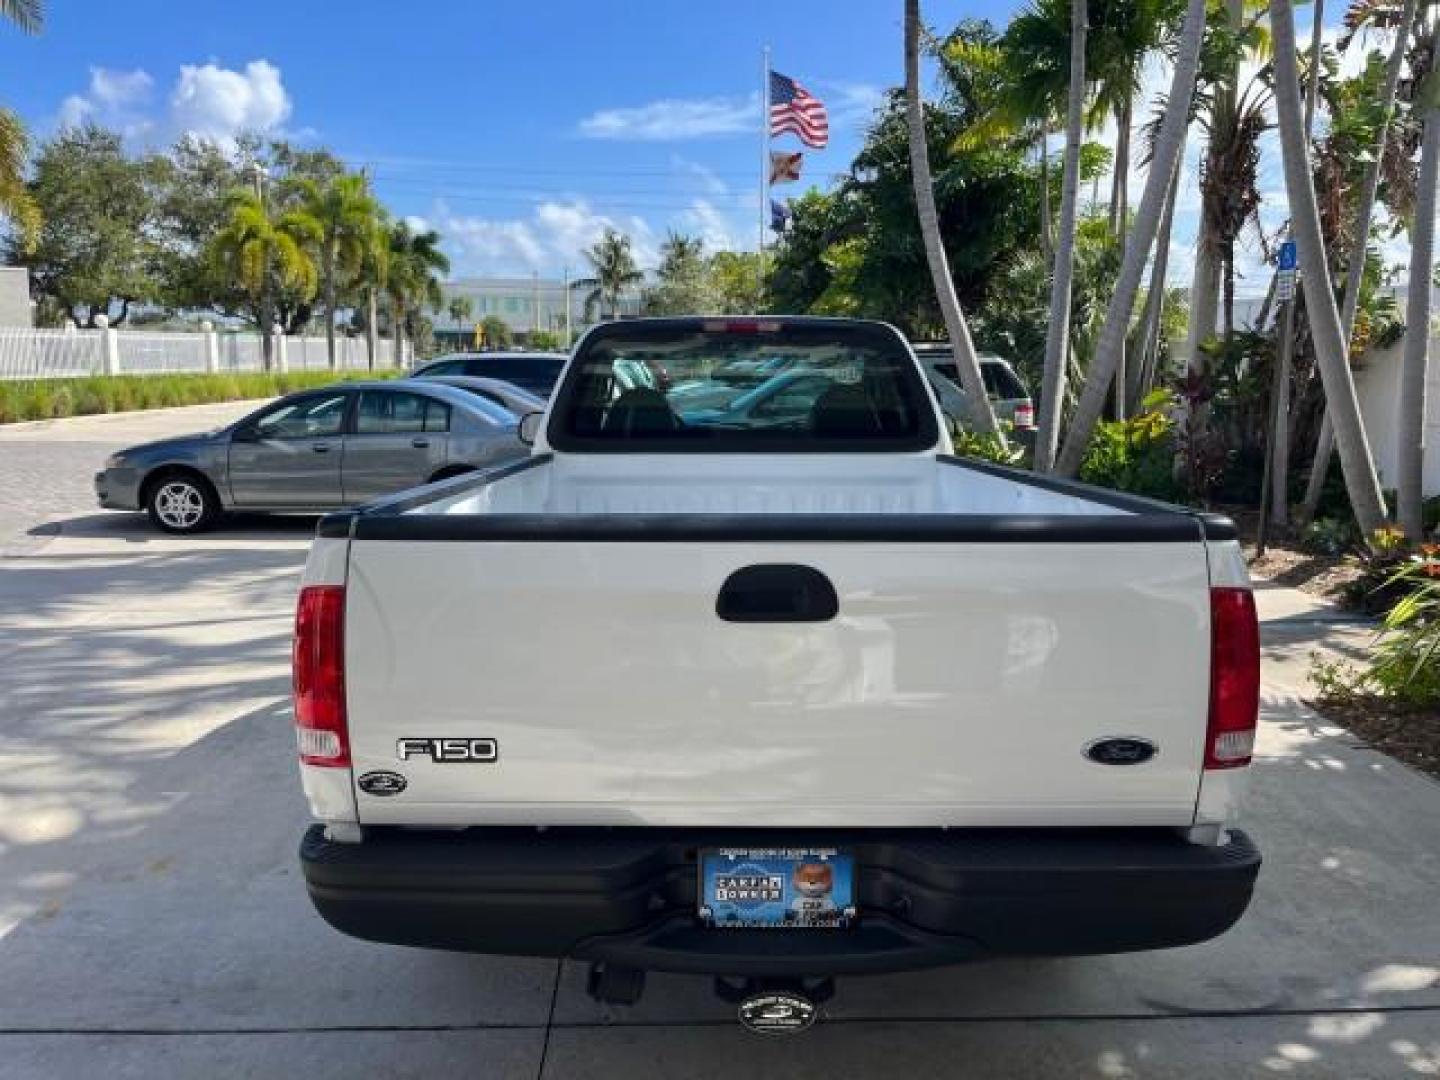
{"points": [[370, 277], [461, 309], [1057, 336], [412, 281], [1410, 426], [264, 253], [15, 201], [1359, 240], [346, 212], [1168, 146], [28, 15], [966, 361], [613, 270], [1327, 335]]}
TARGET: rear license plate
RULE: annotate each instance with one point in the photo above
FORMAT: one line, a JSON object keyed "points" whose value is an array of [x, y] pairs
{"points": [[777, 888]]}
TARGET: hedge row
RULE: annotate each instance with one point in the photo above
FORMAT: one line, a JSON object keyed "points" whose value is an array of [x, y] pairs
{"points": [[48, 399]]}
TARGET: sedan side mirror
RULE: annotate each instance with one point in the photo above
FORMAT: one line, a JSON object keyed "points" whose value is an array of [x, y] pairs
{"points": [[248, 433], [530, 427]]}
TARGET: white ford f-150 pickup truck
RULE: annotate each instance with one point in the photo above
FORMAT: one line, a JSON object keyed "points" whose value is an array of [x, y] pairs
{"points": [[774, 690]]}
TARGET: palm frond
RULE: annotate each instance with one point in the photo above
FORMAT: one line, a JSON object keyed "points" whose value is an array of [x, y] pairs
{"points": [[28, 15]]}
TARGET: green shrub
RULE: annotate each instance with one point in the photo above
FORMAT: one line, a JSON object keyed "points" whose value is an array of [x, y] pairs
{"points": [[1137, 455], [1405, 666], [46, 399], [988, 447]]}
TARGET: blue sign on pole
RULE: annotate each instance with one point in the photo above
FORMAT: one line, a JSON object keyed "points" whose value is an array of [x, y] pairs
{"points": [[1287, 255]]}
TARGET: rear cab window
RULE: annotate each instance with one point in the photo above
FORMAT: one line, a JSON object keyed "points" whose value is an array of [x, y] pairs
{"points": [[667, 386]]}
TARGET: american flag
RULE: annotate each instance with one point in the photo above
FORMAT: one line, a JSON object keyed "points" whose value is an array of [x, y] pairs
{"points": [[793, 109]]}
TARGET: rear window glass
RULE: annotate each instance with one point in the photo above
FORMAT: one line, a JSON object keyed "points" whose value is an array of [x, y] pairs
{"points": [[719, 387], [1000, 382], [534, 373]]}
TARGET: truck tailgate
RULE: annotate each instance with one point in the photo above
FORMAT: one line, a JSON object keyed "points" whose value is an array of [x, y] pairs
{"points": [[958, 684]]}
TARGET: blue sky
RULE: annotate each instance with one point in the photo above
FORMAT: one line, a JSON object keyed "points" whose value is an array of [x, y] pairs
{"points": [[518, 129]]}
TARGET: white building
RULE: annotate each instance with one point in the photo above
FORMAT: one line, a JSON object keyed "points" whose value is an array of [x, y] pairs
{"points": [[526, 304]]}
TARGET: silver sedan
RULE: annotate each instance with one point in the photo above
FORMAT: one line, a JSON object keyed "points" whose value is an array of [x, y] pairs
{"points": [[313, 451], [507, 395]]}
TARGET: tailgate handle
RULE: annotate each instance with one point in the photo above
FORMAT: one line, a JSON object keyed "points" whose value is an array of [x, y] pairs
{"points": [[777, 592]]}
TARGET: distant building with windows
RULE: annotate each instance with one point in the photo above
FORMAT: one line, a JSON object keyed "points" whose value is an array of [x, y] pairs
{"points": [[525, 303]]}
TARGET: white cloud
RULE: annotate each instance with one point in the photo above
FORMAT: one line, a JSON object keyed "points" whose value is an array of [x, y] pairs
{"points": [[675, 118], [218, 103], [206, 100], [850, 104], [555, 234], [120, 89], [113, 98], [74, 111]]}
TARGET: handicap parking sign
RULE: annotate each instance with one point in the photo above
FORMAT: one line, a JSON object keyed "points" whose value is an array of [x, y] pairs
{"points": [[1287, 255]]}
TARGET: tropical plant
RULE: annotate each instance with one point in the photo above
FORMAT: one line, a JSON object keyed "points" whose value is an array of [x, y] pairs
{"points": [[1327, 336], [982, 415], [613, 271], [263, 251], [1405, 666], [683, 281], [1137, 454], [347, 214], [15, 201], [495, 333], [1169, 144], [414, 263], [1382, 14], [1057, 337], [460, 309], [1410, 424]]}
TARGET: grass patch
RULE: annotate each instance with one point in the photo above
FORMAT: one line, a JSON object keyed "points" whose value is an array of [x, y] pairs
{"points": [[51, 399]]}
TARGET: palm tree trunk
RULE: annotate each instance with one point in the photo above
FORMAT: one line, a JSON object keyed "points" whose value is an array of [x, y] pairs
{"points": [[1327, 336], [1168, 147], [397, 331], [1147, 355], [372, 332], [1277, 461], [330, 289], [1410, 426], [1047, 239], [1359, 241], [982, 415], [267, 339], [1057, 334], [1120, 182]]}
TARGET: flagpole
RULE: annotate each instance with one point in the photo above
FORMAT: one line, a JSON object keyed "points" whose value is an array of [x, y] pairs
{"points": [[764, 144]]}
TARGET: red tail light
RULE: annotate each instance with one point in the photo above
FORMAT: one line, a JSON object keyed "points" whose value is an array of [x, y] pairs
{"points": [[1234, 679], [1025, 415], [319, 670]]}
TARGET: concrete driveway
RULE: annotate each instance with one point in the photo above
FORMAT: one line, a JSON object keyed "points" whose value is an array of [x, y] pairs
{"points": [[153, 923]]}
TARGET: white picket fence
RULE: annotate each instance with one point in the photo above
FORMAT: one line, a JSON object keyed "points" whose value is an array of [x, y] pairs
{"points": [[69, 354]]}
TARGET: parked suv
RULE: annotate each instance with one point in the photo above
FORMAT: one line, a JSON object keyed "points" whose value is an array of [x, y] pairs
{"points": [[1007, 392], [536, 372]]}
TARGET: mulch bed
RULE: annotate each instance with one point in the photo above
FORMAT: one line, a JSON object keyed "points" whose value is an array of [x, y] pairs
{"points": [[1407, 733], [1286, 563]]}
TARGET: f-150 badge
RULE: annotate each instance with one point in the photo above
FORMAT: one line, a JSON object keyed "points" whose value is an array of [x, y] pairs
{"points": [[450, 751]]}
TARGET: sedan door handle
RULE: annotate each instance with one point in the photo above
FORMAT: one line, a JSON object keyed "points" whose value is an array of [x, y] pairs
{"points": [[320, 447], [420, 444]]}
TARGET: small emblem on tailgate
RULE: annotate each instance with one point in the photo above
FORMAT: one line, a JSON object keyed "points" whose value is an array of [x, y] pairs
{"points": [[1121, 750], [450, 751], [381, 783]]}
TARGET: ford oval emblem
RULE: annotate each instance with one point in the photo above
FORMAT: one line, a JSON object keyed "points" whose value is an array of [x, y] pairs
{"points": [[382, 783], [777, 1012], [1121, 750]]}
